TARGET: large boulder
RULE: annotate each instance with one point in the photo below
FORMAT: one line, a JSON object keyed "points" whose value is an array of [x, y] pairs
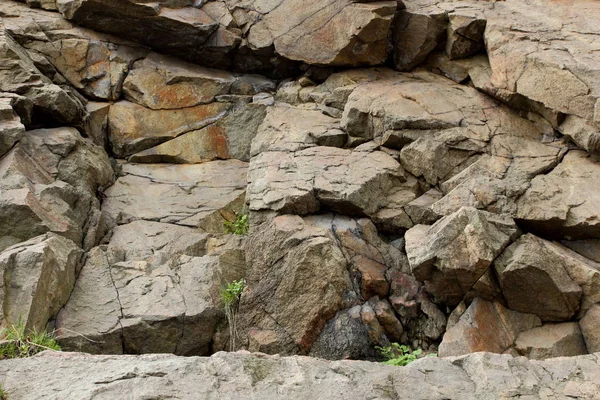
{"points": [[38, 99], [339, 32], [157, 291], [551, 340], [563, 202], [486, 326], [451, 255], [49, 182], [535, 277], [188, 195], [589, 325], [132, 128], [303, 182], [38, 277]]}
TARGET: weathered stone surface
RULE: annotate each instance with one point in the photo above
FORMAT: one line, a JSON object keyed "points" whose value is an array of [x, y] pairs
{"points": [[348, 262], [158, 289], [160, 82], [11, 128], [339, 32], [49, 183], [465, 35], [292, 290], [231, 375], [485, 326], [563, 203], [583, 133], [551, 340], [187, 195], [133, 128], [94, 63], [589, 328], [46, 101], [291, 129], [230, 137], [302, 182], [451, 255], [535, 278], [38, 276], [172, 28], [416, 34]]}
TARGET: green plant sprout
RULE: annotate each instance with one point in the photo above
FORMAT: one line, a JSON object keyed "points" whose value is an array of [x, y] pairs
{"points": [[20, 342], [398, 354], [238, 227], [230, 296]]}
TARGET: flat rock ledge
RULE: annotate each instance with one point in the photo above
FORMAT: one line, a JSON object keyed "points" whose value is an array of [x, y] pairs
{"points": [[243, 375]]}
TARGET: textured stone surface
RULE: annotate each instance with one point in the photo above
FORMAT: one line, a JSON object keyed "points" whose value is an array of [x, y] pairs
{"points": [[551, 340], [187, 195], [38, 277], [156, 291], [589, 327], [49, 183], [229, 376], [302, 182], [485, 326], [563, 203], [451, 255], [534, 276]]}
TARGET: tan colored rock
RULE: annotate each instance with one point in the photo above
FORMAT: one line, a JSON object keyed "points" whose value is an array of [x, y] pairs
{"points": [[451, 255], [416, 34], [583, 133], [35, 91], [563, 202], [94, 63], [305, 181], [589, 327], [133, 128], [465, 35], [187, 195], [274, 300], [11, 128], [225, 375], [158, 292], [551, 340], [339, 33], [49, 183], [485, 326], [534, 276], [159, 82], [39, 275]]}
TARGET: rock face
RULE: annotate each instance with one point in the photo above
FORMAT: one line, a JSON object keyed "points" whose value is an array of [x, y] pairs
{"points": [[229, 375], [422, 173], [451, 255]]}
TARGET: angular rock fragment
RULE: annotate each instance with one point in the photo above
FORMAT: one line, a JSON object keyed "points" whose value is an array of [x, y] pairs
{"points": [[551, 340], [417, 33], [132, 128], [535, 278], [11, 129], [187, 195], [589, 327], [158, 292], [563, 203], [465, 35], [49, 183], [338, 33], [48, 102], [485, 326], [302, 182], [38, 277], [451, 255]]}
